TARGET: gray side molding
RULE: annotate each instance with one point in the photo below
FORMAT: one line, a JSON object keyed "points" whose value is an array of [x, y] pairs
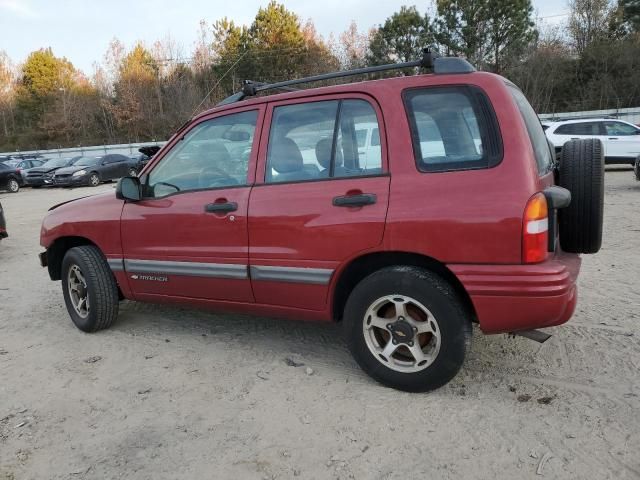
{"points": [[116, 264], [318, 276], [192, 269]]}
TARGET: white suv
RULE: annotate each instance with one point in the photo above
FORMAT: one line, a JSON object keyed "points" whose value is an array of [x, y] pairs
{"points": [[621, 140]]}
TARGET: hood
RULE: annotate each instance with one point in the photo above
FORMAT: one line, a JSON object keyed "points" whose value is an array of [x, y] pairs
{"points": [[72, 169], [42, 169], [98, 200], [69, 201]]}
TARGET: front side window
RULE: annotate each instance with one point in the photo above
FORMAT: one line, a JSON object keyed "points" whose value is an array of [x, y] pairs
{"points": [[319, 140], [452, 128], [213, 154], [621, 129]]}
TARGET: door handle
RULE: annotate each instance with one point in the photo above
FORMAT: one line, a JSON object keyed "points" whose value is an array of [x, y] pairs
{"points": [[355, 200], [221, 207], [613, 138]]}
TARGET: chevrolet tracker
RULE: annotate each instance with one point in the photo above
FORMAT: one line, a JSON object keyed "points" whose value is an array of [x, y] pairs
{"points": [[407, 208]]}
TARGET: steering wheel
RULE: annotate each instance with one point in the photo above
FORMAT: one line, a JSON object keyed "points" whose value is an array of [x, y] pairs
{"points": [[212, 174]]}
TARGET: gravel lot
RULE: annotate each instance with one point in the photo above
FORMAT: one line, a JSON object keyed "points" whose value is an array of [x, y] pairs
{"points": [[178, 393]]}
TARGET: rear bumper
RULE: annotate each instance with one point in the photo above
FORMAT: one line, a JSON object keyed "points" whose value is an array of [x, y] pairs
{"points": [[619, 160], [508, 298]]}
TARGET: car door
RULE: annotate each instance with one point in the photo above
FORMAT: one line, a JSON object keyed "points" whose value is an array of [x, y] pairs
{"points": [[315, 204], [108, 167], [188, 236], [121, 166], [623, 139]]}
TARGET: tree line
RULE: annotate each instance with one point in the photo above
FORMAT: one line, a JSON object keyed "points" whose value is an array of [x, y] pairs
{"points": [[591, 60]]}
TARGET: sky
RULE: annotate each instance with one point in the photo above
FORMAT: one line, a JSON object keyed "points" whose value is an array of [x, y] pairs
{"points": [[81, 30]]}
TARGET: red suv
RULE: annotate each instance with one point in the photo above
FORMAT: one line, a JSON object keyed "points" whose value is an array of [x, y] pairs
{"points": [[406, 208]]}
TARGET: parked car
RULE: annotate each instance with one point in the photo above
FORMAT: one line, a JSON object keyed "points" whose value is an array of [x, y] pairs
{"points": [[621, 140], [264, 206], [10, 179], [23, 166], [148, 152], [140, 160], [94, 170], [43, 176], [3, 224]]}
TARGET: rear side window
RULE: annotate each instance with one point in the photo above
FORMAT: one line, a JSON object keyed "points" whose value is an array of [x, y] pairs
{"points": [[452, 128], [321, 140], [539, 140], [581, 128]]}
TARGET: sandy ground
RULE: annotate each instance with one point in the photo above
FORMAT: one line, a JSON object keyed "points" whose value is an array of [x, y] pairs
{"points": [[178, 393]]}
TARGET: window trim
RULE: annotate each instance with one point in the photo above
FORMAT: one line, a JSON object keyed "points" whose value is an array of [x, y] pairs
{"points": [[482, 108], [173, 142], [602, 129], [261, 169]]}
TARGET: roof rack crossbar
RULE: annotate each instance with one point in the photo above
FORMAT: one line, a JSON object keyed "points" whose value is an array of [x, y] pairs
{"points": [[431, 59]]}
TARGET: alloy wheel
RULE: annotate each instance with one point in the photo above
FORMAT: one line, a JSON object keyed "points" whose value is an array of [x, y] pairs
{"points": [[78, 291], [401, 333]]}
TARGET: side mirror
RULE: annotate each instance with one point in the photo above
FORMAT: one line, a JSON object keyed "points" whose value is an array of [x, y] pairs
{"points": [[128, 188]]}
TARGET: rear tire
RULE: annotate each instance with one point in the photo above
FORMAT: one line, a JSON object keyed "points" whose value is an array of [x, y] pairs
{"points": [[86, 275], [636, 169], [581, 171], [407, 328]]}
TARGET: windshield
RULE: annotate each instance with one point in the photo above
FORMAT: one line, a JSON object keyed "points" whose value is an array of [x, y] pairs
{"points": [[12, 163], [56, 163], [86, 161]]}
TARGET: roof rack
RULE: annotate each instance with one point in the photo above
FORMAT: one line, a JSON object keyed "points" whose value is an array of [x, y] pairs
{"points": [[586, 117], [430, 60]]}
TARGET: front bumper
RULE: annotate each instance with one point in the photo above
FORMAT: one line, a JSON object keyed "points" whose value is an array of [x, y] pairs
{"points": [[38, 181], [70, 181], [508, 298]]}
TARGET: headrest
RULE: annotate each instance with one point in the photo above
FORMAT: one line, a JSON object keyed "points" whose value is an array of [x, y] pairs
{"points": [[323, 153], [285, 156]]}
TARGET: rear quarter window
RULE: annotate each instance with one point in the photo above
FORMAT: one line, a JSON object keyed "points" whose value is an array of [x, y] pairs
{"points": [[452, 128], [539, 142]]}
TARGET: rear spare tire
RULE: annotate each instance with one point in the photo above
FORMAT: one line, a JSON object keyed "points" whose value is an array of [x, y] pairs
{"points": [[581, 171]]}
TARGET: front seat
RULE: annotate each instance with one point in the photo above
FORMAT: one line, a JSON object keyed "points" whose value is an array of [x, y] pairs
{"points": [[286, 159]]}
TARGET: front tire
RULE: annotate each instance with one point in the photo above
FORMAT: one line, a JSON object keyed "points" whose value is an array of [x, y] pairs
{"points": [[94, 180], [89, 288], [13, 186], [407, 328]]}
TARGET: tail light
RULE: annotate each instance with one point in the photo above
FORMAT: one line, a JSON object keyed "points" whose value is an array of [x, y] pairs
{"points": [[535, 230]]}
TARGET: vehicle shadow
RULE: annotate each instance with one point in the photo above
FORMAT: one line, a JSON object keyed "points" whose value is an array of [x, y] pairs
{"points": [[317, 344]]}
